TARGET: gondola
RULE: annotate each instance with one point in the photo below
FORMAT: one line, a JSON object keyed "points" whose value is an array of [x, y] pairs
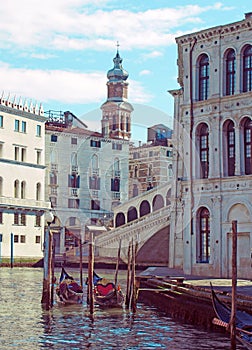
{"points": [[68, 290], [106, 293], [243, 320]]}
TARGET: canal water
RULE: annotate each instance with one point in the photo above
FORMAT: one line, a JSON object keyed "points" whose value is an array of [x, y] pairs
{"points": [[25, 325]]}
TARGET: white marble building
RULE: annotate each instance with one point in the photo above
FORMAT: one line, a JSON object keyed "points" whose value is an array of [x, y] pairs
{"points": [[213, 151], [22, 177]]}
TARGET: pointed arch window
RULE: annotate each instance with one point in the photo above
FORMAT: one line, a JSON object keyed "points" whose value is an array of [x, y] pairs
{"points": [[230, 72], [23, 189], [203, 237], [247, 69], [203, 77], [229, 148], [203, 137], [248, 146], [38, 191], [16, 189]]}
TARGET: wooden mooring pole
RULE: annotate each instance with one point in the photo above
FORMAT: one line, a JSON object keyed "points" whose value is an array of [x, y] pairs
{"points": [[127, 299], [234, 286], [90, 274], [81, 277], [46, 294]]}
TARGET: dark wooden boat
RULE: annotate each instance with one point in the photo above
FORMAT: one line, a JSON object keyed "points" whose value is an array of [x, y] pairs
{"points": [[243, 321], [106, 293], [68, 290]]}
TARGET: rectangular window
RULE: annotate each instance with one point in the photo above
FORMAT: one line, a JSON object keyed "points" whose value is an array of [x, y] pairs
{"points": [[117, 146], [1, 217], [23, 128], [1, 121], [94, 143], [38, 157], [74, 181], [115, 185], [54, 138], [16, 125], [16, 155], [53, 178], [72, 221], [16, 218], [23, 154], [23, 219], [74, 141], [38, 221], [22, 239], [95, 205], [73, 203], [38, 130], [53, 201], [94, 182], [1, 237], [16, 239], [37, 239]]}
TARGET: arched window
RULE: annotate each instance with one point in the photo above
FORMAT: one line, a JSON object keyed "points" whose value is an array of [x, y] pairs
{"points": [[38, 192], [203, 148], [203, 84], [247, 69], [230, 72], [122, 123], [16, 189], [23, 189], [229, 148], [248, 146], [203, 224], [135, 171]]}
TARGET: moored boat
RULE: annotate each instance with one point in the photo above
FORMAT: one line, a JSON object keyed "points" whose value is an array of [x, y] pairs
{"points": [[106, 293], [68, 290], [243, 321]]}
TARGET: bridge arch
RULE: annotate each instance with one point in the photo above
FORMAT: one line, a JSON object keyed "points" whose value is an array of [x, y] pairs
{"points": [[157, 202], [131, 214], [144, 208], [120, 219]]}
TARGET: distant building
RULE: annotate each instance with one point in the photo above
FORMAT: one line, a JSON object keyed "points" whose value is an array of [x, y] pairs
{"points": [[213, 157], [88, 171], [22, 177], [150, 164]]}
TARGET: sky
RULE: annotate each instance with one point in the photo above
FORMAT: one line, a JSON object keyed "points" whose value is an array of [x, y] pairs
{"points": [[58, 52]]}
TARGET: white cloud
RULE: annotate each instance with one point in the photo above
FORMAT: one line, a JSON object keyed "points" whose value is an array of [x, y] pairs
{"points": [[62, 86], [144, 72], [79, 25]]}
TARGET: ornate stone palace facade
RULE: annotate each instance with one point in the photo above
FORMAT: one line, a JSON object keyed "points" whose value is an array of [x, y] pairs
{"points": [[213, 150]]}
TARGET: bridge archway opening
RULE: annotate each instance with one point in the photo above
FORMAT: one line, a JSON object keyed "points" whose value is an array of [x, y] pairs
{"points": [[157, 202], [144, 208], [131, 214], [120, 219]]}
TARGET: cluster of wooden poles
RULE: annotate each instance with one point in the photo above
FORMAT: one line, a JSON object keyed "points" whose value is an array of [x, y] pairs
{"points": [[49, 277], [131, 289]]}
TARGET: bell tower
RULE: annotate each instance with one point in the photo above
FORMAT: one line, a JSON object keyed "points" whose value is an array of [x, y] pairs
{"points": [[116, 111]]}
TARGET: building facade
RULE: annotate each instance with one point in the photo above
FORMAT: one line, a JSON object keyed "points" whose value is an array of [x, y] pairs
{"points": [[150, 164], [87, 171], [213, 151], [22, 179]]}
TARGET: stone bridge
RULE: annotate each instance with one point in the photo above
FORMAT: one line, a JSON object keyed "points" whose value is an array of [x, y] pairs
{"points": [[144, 219]]}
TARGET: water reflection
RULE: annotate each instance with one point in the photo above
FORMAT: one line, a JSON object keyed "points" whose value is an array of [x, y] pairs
{"points": [[25, 325]]}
